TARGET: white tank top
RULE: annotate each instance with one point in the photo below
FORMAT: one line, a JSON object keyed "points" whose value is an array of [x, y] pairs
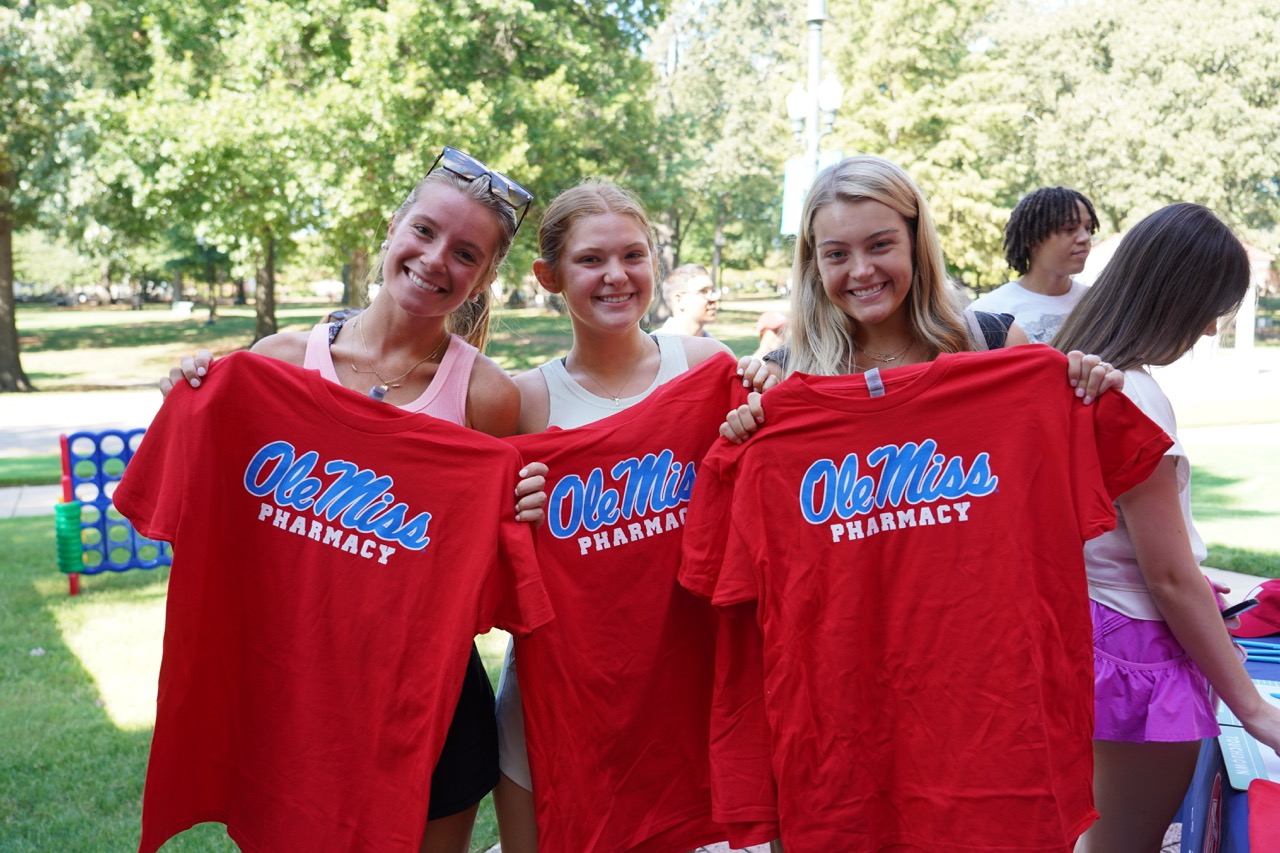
{"points": [[573, 406]]}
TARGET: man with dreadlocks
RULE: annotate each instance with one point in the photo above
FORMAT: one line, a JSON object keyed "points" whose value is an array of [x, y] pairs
{"points": [[1047, 241]]}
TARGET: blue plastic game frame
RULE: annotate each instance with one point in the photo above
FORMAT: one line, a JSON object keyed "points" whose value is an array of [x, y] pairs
{"points": [[92, 465]]}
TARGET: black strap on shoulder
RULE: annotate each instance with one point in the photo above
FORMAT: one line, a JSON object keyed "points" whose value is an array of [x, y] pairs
{"points": [[995, 328], [780, 356], [995, 331]]}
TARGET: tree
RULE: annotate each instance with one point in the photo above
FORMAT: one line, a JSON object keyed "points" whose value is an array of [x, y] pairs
{"points": [[222, 139], [1141, 105], [911, 96], [545, 92], [107, 211], [724, 69], [38, 88], [1136, 105], [246, 124]]}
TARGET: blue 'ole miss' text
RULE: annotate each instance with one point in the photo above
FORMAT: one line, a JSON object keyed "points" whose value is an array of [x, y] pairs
{"points": [[602, 513], [356, 500], [910, 474]]}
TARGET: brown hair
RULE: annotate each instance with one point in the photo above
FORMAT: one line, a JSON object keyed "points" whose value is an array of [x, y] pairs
{"points": [[1174, 273], [592, 197]]}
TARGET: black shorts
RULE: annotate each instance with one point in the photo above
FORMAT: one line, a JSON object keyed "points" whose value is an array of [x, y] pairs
{"points": [[468, 765]]}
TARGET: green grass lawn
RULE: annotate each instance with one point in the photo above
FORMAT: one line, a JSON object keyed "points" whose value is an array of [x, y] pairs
{"points": [[78, 703], [1235, 498], [133, 349], [31, 470], [70, 778]]}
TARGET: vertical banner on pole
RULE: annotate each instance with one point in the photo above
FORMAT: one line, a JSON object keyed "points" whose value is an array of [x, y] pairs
{"points": [[796, 179], [795, 183]]}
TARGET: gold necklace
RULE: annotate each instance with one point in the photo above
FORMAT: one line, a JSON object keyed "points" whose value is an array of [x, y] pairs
{"points": [[883, 357], [617, 398], [380, 391]]}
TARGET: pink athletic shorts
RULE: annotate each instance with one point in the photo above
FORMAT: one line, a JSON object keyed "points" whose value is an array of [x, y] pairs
{"points": [[1145, 686]]}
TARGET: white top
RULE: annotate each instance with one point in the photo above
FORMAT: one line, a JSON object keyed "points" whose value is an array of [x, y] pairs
{"points": [[1038, 315], [672, 326], [571, 406], [1114, 577], [574, 406]]}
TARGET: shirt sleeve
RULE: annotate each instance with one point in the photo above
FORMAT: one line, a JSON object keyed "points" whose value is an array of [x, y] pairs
{"points": [[743, 792], [1124, 444], [1145, 392], [707, 525], [153, 491], [744, 835], [514, 597], [717, 563]]}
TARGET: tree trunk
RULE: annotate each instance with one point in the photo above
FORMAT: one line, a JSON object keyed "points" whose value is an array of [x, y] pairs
{"points": [[717, 251], [212, 285], [668, 244], [668, 259], [12, 376], [265, 298], [358, 276], [104, 284], [177, 286]]}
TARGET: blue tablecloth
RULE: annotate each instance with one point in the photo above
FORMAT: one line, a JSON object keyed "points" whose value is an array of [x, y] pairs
{"points": [[1212, 805]]}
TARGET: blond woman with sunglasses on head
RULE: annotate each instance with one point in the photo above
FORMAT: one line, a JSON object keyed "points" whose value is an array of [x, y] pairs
{"points": [[417, 346]]}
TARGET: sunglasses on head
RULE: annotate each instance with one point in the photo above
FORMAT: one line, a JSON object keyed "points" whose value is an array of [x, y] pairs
{"points": [[468, 168]]}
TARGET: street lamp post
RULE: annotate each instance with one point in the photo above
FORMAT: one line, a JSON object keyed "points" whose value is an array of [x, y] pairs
{"points": [[816, 17], [812, 110]]}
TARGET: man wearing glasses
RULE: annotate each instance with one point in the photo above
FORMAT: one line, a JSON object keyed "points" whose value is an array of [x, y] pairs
{"points": [[693, 299]]}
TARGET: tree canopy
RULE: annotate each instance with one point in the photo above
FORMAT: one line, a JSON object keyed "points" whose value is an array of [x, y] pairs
{"points": [[39, 98], [156, 134]]}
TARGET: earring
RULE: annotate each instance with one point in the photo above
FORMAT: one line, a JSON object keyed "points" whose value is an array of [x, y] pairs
{"points": [[384, 245]]}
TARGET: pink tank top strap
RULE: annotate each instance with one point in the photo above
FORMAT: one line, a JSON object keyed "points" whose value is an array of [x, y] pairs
{"points": [[317, 356], [446, 396]]}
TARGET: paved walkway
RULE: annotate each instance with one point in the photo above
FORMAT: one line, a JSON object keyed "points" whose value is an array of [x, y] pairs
{"points": [[32, 424], [29, 500]]}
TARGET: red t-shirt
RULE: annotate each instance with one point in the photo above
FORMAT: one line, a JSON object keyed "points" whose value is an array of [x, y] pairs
{"points": [[915, 562], [616, 691], [334, 557]]}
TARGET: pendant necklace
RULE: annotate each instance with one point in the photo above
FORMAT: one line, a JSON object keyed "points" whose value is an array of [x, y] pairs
{"points": [[616, 398], [379, 392], [883, 357]]}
